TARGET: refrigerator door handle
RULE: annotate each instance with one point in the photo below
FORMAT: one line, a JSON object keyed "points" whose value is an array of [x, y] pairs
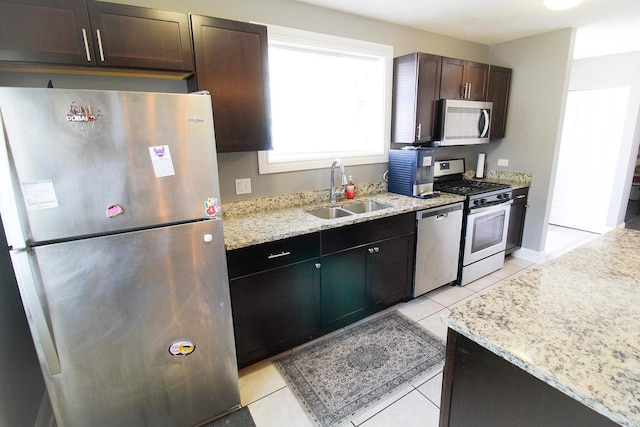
{"points": [[38, 320]]}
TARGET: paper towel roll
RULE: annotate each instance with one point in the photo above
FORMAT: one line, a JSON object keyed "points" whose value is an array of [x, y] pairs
{"points": [[480, 167]]}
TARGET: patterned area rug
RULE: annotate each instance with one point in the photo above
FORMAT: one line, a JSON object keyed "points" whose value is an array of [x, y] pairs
{"points": [[340, 377]]}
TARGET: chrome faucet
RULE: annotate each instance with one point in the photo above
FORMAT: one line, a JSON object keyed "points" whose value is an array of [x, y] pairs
{"points": [[333, 193]]}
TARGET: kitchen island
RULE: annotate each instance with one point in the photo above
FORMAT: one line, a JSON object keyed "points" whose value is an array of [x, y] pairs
{"points": [[558, 345]]}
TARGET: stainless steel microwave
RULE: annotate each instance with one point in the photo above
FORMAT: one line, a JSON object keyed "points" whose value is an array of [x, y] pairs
{"points": [[464, 122]]}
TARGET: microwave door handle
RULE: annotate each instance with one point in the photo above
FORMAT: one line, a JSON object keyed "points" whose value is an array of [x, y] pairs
{"points": [[485, 115]]}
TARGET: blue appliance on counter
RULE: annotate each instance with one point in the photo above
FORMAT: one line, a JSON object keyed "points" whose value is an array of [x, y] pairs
{"points": [[411, 171]]}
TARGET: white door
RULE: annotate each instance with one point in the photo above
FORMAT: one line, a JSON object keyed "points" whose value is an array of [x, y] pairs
{"points": [[587, 162]]}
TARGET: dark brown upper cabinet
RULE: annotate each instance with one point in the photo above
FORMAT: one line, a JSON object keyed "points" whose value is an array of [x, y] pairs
{"points": [[45, 31], [75, 32], [464, 80], [137, 37], [232, 64], [498, 93], [416, 89]]}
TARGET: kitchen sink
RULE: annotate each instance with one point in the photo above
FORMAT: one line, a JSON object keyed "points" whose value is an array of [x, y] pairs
{"points": [[330, 213], [367, 206], [333, 212]]}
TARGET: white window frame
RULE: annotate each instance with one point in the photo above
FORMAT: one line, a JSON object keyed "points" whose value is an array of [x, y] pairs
{"points": [[331, 43]]}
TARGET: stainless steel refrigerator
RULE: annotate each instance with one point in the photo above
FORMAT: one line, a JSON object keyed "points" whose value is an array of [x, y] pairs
{"points": [[110, 203]]}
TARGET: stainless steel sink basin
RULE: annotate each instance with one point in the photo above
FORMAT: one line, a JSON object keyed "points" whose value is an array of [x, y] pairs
{"points": [[333, 212], [330, 213], [366, 206]]}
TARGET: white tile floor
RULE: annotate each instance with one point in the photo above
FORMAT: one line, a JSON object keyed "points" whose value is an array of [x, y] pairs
{"points": [[272, 403]]}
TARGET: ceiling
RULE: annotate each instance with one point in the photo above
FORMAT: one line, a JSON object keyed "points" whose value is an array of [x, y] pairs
{"points": [[604, 27]]}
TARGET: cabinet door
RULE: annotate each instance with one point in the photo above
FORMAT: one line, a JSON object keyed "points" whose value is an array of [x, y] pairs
{"points": [[389, 269], [464, 80], [498, 93], [232, 64], [136, 37], [452, 82], [477, 79], [516, 219], [275, 310], [344, 290], [429, 70], [45, 31]]}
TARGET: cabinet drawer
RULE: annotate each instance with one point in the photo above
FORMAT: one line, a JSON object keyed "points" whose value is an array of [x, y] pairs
{"points": [[520, 195], [273, 254], [338, 239]]}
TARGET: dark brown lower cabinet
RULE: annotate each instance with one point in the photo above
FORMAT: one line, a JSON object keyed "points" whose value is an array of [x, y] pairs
{"points": [[362, 275], [290, 291], [275, 310], [481, 389], [344, 288], [516, 219]]}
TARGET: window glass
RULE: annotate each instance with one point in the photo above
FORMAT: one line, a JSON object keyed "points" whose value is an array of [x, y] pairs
{"points": [[330, 97]]}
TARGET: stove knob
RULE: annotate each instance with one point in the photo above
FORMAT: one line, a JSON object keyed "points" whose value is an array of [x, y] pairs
{"points": [[483, 201], [499, 197], [507, 196], [476, 202]]}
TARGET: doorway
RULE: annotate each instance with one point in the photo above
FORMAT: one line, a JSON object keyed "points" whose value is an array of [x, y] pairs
{"points": [[588, 159]]}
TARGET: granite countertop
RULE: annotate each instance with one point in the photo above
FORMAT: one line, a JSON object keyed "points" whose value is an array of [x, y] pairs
{"points": [[572, 322], [264, 223]]}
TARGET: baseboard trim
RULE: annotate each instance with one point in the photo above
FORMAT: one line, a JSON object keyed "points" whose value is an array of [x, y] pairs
{"points": [[529, 255]]}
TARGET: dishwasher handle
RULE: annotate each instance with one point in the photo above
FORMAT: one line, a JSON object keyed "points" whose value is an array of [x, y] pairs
{"points": [[439, 212]]}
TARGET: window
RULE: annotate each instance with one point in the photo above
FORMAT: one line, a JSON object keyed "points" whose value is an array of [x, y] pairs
{"points": [[330, 98]]}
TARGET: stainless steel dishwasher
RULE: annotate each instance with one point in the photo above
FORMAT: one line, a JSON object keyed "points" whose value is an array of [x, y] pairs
{"points": [[437, 247]]}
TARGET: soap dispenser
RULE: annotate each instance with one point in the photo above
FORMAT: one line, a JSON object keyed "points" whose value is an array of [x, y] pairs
{"points": [[351, 188]]}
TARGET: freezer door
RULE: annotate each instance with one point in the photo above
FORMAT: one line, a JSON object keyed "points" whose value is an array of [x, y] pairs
{"points": [[134, 329], [91, 162]]}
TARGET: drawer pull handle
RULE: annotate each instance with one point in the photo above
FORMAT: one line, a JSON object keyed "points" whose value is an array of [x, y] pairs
{"points": [[520, 196], [272, 256], [318, 265]]}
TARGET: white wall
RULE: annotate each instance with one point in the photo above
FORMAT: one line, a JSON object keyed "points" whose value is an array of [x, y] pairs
{"points": [[609, 72], [541, 66]]}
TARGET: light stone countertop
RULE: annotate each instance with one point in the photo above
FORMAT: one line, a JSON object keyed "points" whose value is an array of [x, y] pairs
{"points": [[573, 322], [261, 226]]}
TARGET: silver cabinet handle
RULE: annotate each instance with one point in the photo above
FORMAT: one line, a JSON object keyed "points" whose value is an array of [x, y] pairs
{"points": [[318, 265], [272, 256], [86, 45], [469, 91], [376, 249], [419, 130], [520, 196], [28, 289], [370, 250], [442, 216], [100, 45]]}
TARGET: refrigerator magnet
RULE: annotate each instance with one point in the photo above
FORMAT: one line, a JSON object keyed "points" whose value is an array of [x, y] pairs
{"points": [[182, 348], [211, 206], [161, 160], [114, 210]]}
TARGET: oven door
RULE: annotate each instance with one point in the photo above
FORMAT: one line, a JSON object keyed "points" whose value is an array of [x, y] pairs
{"points": [[486, 232]]}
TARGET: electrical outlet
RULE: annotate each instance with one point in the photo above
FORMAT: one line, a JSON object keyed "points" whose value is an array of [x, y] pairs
{"points": [[503, 162], [243, 186]]}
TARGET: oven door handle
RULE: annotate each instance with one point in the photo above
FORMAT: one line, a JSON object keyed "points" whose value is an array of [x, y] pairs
{"points": [[489, 208]]}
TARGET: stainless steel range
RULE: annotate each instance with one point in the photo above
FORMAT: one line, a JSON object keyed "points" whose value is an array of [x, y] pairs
{"points": [[485, 223]]}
